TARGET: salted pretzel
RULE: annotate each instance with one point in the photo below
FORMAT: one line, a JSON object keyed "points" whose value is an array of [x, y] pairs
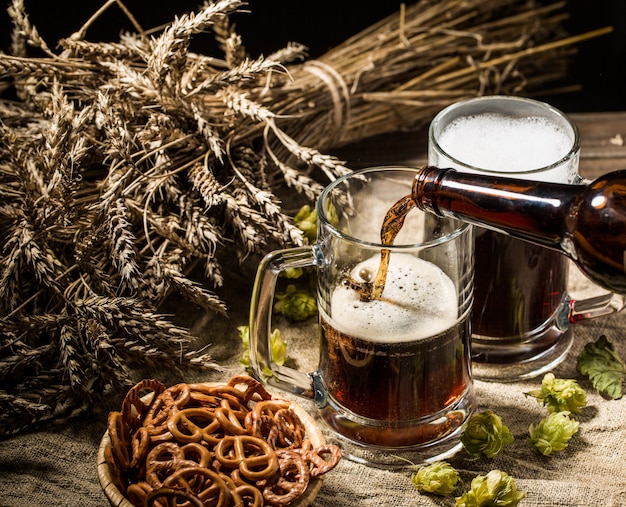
{"points": [[322, 459], [292, 481], [162, 460]]}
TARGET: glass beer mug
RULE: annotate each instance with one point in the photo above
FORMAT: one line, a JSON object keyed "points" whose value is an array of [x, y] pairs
{"points": [[522, 309], [394, 372]]}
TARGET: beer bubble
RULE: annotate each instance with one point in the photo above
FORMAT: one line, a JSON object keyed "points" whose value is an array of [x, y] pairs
{"points": [[366, 274]]}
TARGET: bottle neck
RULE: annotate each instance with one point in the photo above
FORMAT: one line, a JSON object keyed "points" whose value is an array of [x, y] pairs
{"points": [[530, 210]]}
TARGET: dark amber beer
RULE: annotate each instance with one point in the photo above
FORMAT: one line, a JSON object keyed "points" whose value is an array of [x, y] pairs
{"points": [[395, 381], [520, 289], [398, 359]]}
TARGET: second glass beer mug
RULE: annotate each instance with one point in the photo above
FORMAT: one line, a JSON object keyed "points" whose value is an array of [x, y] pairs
{"points": [[394, 372], [520, 318]]}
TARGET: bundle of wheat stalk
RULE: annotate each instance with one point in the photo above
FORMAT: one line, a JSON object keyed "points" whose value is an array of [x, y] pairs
{"points": [[123, 164]]}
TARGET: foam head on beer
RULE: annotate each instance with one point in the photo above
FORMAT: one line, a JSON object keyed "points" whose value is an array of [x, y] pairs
{"points": [[419, 301], [506, 144]]}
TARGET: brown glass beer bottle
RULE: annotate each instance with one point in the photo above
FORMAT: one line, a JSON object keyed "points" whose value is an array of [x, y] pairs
{"points": [[586, 222]]}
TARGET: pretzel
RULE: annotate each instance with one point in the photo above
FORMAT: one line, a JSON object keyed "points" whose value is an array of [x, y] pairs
{"points": [[253, 456], [244, 494], [197, 453], [198, 444], [253, 387], [232, 420], [162, 459], [201, 395], [159, 433], [119, 436], [170, 400], [227, 392], [251, 496], [134, 408], [117, 475], [204, 483], [288, 431], [292, 481], [318, 463], [177, 395], [260, 420], [249, 493], [137, 493], [171, 497], [139, 445], [168, 457], [194, 425]]}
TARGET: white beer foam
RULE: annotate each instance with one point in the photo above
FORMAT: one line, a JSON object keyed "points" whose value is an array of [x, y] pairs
{"points": [[508, 145], [419, 301]]}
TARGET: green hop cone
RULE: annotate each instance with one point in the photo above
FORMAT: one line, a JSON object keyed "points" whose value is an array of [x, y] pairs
{"points": [[292, 273], [295, 304], [277, 343], [494, 489], [485, 434], [552, 434], [559, 395], [306, 221], [439, 478]]}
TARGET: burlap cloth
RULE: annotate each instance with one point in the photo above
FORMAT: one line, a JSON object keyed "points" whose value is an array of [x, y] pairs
{"points": [[58, 466]]}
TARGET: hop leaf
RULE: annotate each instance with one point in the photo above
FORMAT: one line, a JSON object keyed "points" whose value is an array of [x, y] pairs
{"points": [[485, 434], [306, 221], [277, 344], [601, 363], [553, 433], [494, 489], [295, 304], [439, 478], [560, 395]]}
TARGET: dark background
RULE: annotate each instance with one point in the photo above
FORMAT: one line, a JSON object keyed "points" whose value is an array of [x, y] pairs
{"points": [[599, 67]]}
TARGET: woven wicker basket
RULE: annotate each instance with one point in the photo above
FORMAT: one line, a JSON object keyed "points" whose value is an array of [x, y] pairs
{"points": [[313, 433]]}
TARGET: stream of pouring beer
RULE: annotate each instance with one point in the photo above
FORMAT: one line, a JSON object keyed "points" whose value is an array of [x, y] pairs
{"points": [[393, 222]]}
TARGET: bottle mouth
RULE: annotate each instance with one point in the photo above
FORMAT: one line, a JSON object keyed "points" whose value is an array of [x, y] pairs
{"points": [[340, 196], [425, 185]]}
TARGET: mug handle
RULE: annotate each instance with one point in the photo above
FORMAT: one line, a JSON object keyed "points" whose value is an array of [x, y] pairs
{"points": [[582, 310], [264, 369]]}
